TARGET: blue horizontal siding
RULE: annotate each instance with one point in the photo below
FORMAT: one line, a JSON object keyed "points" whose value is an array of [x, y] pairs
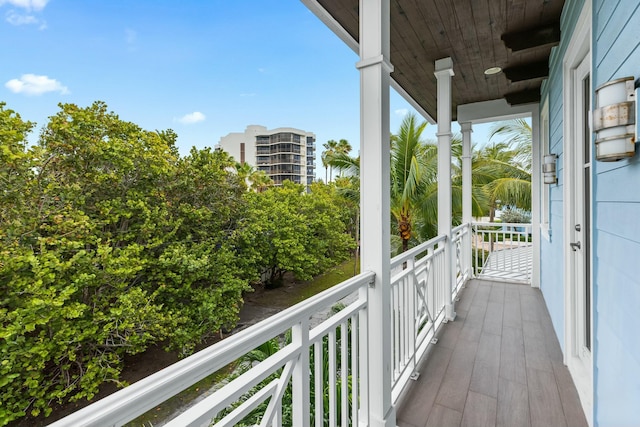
{"points": [[551, 253], [551, 268], [617, 383], [623, 222], [615, 271], [616, 54], [604, 19], [619, 37], [602, 168]]}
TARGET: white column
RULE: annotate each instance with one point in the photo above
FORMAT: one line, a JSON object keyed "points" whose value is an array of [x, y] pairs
{"points": [[375, 70], [443, 73], [535, 195], [466, 129]]}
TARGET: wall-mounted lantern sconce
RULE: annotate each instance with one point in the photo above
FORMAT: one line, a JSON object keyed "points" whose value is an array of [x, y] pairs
{"points": [[614, 120], [549, 168]]}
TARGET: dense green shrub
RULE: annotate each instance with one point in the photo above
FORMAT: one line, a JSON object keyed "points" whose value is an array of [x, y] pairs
{"points": [[515, 215], [110, 242]]}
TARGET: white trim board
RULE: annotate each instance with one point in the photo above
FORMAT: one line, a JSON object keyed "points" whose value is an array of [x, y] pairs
{"points": [[578, 49]]}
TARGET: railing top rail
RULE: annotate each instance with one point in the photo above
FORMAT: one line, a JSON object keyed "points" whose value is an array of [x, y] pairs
{"points": [[459, 228], [501, 224], [136, 399], [411, 253]]}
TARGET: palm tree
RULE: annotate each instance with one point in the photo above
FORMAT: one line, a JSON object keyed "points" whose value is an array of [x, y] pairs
{"points": [[343, 147], [414, 183], [244, 171], [329, 149], [413, 175], [252, 178], [260, 181], [504, 168], [518, 137], [412, 172]]}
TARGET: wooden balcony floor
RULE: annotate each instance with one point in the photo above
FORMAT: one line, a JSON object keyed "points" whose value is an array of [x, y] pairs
{"points": [[498, 364]]}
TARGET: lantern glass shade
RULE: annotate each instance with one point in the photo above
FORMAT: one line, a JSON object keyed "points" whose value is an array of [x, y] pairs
{"points": [[549, 168], [614, 120]]}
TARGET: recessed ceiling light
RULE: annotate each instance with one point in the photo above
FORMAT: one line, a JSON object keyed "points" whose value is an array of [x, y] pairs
{"points": [[492, 70]]}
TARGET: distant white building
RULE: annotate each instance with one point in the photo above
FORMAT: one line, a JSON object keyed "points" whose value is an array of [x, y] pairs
{"points": [[282, 153]]}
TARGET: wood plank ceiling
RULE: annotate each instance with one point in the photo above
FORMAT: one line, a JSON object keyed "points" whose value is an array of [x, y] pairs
{"points": [[516, 35]]}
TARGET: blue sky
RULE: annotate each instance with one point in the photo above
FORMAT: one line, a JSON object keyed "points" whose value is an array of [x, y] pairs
{"points": [[201, 68]]}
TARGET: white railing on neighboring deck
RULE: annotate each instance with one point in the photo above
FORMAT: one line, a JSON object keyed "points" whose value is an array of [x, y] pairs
{"points": [[315, 375], [332, 344], [503, 251]]}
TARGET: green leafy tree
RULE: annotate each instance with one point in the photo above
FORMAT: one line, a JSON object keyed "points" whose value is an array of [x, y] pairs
{"points": [[348, 188], [16, 173], [110, 243], [287, 230], [198, 271], [73, 298]]}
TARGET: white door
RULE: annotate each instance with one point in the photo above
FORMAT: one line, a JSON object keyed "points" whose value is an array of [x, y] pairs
{"points": [[580, 330]]}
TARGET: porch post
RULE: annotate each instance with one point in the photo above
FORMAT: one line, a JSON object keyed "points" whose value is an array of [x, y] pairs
{"points": [[375, 70], [535, 195], [443, 73], [466, 128]]}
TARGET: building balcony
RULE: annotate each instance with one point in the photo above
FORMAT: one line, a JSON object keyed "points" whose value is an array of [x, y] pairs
{"points": [[498, 363], [284, 171]]}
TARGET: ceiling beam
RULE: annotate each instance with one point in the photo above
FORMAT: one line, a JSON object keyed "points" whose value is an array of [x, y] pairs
{"points": [[539, 36], [532, 70], [523, 97]]}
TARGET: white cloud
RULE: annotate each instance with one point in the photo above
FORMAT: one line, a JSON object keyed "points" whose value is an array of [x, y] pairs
{"points": [[14, 18], [25, 17], [191, 118], [401, 111], [29, 5], [32, 84]]}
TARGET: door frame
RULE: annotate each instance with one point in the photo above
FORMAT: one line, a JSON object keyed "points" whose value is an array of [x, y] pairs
{"points": [[578, 50]]}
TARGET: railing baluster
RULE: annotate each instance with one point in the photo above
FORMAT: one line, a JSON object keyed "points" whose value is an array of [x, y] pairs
{"points": [[344, 373], [332, 378], [318, 386], [354, 371], [363, 361], [300, 379], [410, 309]]}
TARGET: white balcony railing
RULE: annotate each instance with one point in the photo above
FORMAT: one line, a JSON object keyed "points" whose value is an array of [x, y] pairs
{"points": [[503, 251], [418, 298], [313, 377], [279, 387], [461, 243]]}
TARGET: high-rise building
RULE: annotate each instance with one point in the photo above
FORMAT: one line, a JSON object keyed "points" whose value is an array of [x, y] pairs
{"points": [[282, 153]]}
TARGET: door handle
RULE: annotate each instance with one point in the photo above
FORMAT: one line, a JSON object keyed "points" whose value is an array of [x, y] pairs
{"points": [[574, 246]]}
